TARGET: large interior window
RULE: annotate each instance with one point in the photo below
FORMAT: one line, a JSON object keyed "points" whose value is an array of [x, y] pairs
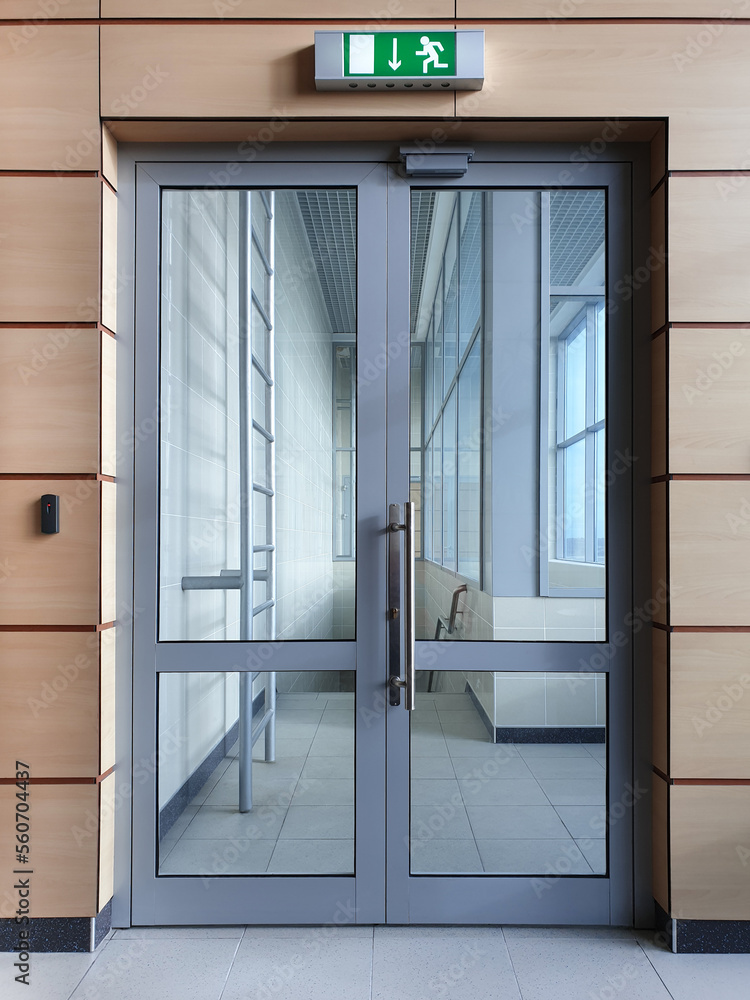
{"points": [[447, 307]]}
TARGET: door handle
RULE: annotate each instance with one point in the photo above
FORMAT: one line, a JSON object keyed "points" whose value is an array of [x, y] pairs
{"points": [[409, 680]]}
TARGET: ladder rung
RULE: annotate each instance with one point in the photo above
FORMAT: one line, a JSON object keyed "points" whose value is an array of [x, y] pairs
{"points": [[262, 430], [264, 548], [263, 607], [261, 575], [265, 490], [261, 369], [263, 314], [266, 204], [262, 253]]}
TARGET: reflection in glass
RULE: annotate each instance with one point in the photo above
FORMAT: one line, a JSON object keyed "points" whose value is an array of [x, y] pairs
{"points": [[508, 421], [508, 774], [302, 820], [258, 412]]}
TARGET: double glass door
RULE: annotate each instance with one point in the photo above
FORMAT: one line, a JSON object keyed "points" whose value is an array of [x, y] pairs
{"points": [[382, 540]]}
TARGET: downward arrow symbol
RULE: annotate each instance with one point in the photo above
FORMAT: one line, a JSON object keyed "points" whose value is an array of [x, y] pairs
{"points": [[395, 62]]}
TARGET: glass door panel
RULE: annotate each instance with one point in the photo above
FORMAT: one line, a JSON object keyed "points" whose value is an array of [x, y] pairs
{"points": [[258, 443]]}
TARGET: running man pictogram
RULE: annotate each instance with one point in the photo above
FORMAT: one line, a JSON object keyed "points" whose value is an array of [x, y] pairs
{"points": [[430, 51]]}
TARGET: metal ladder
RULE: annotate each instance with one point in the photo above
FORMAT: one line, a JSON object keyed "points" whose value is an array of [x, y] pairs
{"points": [[254, 248]]}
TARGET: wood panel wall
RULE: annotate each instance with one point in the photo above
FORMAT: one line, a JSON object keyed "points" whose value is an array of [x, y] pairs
{"points": [[555, 71]]}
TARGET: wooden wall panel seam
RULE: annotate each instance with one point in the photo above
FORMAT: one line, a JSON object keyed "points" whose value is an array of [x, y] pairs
{"points": [[57, 628]]}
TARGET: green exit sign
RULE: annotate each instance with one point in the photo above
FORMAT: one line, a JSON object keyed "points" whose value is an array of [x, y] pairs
{"points": [[400, 53], [399, 60]]}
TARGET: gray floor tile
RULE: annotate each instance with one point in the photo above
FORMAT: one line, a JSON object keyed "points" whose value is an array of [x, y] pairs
{"points": [[324, 792], [329, 746], [532, 857], [698, 977], [518, 823], [507, 792], [337, 721], [573, 791], [302, 968], [431, 767], [498, 765], [218, 857], [180, 824], [178, 933], [552, 750], [565, 767], [428, 746], [595, 852], [462, 963], [439, 823], [432, 791], [300, 716], [584, 821], [318, 823], [445, 701], [170, 969], [225, 822], [598, 750], [329, 767], [267, 790], [552, 968], [51, 977], [458, 747], [286, 766], [312, 857], [286, 747], [445, 857], [200, 797], [569, 933], [312, 932]]}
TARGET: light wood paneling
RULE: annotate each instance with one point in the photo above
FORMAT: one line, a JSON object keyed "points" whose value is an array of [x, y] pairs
{"points": [[709, 401], [710, 840], [710, 705], [369, 131], [107, 639], [659, 405], [49, 579], [35, 9], [64, 847], [659, 569], [710, 552], [378, 14], [660, 841], [248, 70], [49, 256], [50, 682], [49, 112], [107, 802], [49, 403], [660, 699], [108, 551], [109, 156], [565, 9], [656, 260], [601, 70], [108, 405], [109, 259], [709, 249]]}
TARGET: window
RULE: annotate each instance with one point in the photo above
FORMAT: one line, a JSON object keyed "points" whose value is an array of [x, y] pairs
{"points": [[573, 453], [344, 479], [449, 369]]}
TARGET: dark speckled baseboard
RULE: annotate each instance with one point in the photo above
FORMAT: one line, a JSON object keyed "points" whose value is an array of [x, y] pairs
{"points": [[704, 937], [59, 934], [550, 734]]}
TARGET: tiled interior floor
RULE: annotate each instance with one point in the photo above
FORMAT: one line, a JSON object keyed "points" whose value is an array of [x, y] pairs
{"points": [[476, 807], [381, 963]]}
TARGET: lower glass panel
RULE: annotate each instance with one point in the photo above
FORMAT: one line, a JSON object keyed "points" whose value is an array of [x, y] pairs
{"points": [[302, 816], [508, 774]]}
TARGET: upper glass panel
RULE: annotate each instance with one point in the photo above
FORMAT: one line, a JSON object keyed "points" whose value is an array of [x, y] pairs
{"points": [[258, 415], [508, 396]]}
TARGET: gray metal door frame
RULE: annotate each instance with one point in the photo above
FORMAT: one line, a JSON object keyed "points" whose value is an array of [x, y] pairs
{"points": [[338, 899]]}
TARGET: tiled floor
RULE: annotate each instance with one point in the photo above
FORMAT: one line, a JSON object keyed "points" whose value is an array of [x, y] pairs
{"points": [[381, 963], [476, 807]]}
